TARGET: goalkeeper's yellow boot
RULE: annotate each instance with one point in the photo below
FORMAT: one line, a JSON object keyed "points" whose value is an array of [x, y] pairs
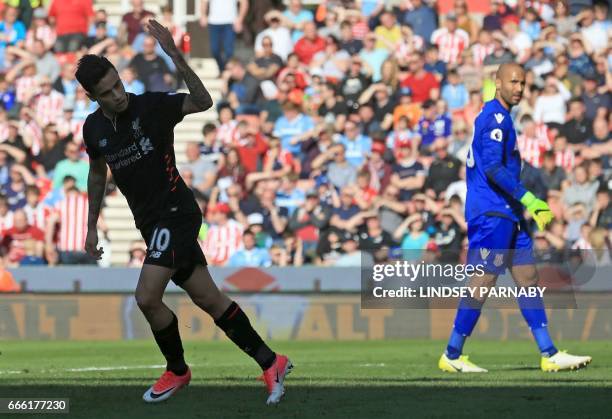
{"points": [[562, 361], [461, 364]]}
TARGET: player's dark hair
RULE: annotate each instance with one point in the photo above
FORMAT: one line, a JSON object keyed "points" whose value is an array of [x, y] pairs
{"points": [[90, 70]]}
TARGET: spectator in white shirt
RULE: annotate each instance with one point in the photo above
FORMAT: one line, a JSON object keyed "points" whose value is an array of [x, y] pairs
{"points": [[550, 105]]}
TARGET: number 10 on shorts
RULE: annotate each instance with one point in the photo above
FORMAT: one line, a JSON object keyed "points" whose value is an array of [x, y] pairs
{"points": [[159, 242]]}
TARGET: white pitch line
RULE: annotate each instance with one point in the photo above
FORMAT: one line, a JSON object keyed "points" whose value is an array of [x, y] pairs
{"points": [[115, 368]]}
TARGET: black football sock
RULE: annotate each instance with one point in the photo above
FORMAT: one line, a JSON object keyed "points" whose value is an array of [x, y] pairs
{"points": [[169, 342], [237, 327]]}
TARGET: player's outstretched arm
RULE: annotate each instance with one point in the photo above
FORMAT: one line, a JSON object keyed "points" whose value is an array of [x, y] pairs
{"points": [[198, 99], [96, 186]]}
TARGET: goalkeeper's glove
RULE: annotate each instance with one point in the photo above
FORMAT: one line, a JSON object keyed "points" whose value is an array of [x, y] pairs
{"points": [[539, 210]]}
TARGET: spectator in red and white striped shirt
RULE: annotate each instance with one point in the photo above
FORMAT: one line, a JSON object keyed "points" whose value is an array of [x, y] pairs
{"points": [[40, 29], [67, 229], [451, 41], [224, 235], [6, 215], [36, 211], [483, 47], [532, 143], [564, 155], [49, 103]]}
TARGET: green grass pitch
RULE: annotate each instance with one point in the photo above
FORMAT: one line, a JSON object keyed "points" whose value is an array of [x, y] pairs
{"points": [[373, 379]]}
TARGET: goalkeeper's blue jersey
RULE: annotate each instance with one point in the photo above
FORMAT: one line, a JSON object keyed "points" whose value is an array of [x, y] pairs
{"points": [[493, 166]]}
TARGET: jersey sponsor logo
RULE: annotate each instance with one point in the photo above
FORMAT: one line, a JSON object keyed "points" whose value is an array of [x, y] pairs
{"points": [[497, 135], [499, 118], [484, 253]]}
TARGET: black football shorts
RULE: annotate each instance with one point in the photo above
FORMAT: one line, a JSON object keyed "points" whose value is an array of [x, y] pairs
{"points": [[173, 243]]}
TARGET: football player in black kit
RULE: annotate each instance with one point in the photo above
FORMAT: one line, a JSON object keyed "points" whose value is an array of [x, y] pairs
{"points": [[133, 135]]}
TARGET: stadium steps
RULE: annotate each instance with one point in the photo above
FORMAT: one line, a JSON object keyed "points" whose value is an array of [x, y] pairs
{"points": [[117, 213]]}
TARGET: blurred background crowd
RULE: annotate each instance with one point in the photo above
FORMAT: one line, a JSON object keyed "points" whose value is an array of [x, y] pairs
{"points": [[342, 132]]}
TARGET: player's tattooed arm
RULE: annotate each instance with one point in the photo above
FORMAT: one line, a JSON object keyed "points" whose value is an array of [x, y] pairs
{"points": [[198, 99], [96, 186]]}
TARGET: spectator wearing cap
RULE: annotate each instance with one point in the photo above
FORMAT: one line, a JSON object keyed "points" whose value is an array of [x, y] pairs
{"points": [[249, 254], [379, 169], [12, 30], [351, 255], [282, 44], [421, 18], [290, 125], [408, 173], [422, 83], [224, 236], [450, 39], [72, 19], [254, 223], [373, 57], [309, 44], [401, 135], [357, 145], [224, 19], [372, 237], [443, 171]]}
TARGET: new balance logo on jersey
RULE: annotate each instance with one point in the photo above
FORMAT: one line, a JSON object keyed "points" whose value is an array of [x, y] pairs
{"points": [[145, 145], [499, 118], [103, 142]]}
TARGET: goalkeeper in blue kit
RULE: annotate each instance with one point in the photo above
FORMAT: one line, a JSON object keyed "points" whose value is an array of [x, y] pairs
{"points": [[497, 231]]}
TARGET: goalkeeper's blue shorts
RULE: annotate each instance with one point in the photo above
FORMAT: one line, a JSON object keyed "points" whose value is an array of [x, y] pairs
{"points": [[498, 243]]}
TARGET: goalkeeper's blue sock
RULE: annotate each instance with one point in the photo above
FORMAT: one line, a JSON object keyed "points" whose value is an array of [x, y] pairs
{"points": [[465, 321], [533, 311]]}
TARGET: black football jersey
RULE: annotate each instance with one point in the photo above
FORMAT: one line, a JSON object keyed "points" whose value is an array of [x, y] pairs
{"points": [[140, 154]]}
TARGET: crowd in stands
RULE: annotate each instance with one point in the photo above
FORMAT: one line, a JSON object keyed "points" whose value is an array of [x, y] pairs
{"points": [[344, 137]]}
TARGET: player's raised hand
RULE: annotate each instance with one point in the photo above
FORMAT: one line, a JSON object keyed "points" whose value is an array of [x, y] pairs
{"points": [[163, 36], [91, 244], [539, 210]]}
